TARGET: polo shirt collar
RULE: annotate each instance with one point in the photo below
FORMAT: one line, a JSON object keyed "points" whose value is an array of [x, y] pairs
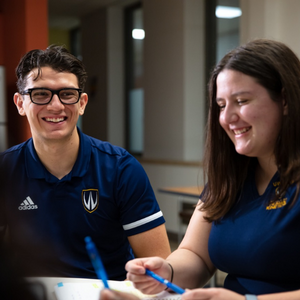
{"points": [[35, 168]]}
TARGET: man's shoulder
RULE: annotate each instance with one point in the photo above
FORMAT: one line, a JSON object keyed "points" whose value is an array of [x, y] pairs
{"points": [[105, 147], [14, 151]]}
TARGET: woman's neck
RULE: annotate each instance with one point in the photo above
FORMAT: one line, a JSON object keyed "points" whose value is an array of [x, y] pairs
{"points": [[264, 172]]}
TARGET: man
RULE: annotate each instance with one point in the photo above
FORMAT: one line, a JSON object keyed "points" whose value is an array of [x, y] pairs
{"points": [[62, 185]]}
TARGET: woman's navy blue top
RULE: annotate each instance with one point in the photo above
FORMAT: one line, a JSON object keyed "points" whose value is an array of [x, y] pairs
{"points": [[258, 243]]}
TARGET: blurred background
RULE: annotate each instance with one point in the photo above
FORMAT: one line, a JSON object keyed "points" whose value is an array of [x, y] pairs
{"points": [[148, 63]]}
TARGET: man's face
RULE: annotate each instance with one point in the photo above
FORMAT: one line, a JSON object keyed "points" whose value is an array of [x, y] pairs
{"points": [[54, 121]]}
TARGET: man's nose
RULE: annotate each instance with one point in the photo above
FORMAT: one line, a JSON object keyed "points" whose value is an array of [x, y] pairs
{"points": [[55, 101]]}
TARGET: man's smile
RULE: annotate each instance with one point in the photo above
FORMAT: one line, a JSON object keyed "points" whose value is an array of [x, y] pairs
{"points": [[55, 120]]}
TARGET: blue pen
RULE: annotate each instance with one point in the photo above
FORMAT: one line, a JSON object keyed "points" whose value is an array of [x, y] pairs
{"points": [[169, 284], [96, 261]]}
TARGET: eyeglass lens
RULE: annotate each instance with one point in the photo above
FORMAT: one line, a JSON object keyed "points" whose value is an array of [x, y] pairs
{"points": [[42, 96]]}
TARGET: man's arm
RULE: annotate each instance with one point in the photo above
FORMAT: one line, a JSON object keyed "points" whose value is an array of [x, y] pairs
{"points": [[153, 242]]}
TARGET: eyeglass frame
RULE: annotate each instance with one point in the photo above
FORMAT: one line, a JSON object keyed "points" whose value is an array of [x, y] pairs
{"points": [[54, 92]]}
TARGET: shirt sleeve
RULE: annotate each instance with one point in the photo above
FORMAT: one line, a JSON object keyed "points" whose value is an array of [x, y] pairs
{"points": [[136, 200]]}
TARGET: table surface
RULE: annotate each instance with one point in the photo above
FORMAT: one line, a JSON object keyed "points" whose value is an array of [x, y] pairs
{"points": [[190, 191]]}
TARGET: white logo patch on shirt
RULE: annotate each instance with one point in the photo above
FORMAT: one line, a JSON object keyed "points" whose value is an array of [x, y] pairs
{"points": [[27, 204]]}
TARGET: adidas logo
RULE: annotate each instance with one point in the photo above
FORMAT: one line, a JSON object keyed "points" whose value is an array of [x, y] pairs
{"points": [[27, 204]]}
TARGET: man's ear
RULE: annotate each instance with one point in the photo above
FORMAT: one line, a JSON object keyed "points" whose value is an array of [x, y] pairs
{"points": [[18, 100], [83, 102]]}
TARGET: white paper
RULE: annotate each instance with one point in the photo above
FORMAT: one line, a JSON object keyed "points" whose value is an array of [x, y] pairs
{"points": [[91, 291]]}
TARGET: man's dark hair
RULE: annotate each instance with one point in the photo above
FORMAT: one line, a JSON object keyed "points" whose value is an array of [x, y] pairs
{"points": [[56, 57]]}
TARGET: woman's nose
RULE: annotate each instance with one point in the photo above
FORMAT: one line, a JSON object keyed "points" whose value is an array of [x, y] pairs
{"points": [[228, 115]]}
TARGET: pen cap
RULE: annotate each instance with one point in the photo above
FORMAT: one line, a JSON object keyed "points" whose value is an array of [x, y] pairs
{"points": [[90, 246], [87, 239]]}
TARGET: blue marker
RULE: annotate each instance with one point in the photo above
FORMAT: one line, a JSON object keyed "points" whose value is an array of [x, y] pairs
{"points": [[169, 284], [96, 261]]}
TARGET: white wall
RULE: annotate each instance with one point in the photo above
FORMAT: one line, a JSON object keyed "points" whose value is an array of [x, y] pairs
{"points": [[116, 97], [194, 83], [274, 19], [174, 79], [164, 79]]}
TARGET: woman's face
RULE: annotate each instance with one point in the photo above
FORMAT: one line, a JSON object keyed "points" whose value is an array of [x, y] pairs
{"points": [[251, 119]]}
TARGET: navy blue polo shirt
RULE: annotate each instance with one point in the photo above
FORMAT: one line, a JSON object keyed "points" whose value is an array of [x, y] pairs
{"points": [[258, 243], [106, 196]]}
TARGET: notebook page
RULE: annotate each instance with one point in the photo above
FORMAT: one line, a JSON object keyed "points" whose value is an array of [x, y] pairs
{"points": [[91, 291]]}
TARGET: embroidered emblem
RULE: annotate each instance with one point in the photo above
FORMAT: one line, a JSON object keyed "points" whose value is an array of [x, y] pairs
{"points": [[277, 204], [90, 199], [280, 202], [277, 183]]}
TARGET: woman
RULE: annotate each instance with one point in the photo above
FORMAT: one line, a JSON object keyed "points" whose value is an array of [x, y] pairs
{"points": [[247, 222]]}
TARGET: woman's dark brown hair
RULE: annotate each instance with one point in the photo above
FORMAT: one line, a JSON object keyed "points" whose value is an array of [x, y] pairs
{"points": [[274, 66]]}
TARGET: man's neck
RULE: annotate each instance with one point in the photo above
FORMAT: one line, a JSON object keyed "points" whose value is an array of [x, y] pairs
{"points": [[60, 156]]}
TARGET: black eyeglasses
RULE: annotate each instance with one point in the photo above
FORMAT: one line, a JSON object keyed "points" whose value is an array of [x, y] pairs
{"points": [[42, 96]]}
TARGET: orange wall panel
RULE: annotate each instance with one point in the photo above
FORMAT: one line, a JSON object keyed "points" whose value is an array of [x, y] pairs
{"points": [[25, 27], [37, 24]]}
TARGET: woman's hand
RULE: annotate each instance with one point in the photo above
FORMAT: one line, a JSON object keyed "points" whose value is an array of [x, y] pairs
{"points": [[211, 294], [148, 285]]}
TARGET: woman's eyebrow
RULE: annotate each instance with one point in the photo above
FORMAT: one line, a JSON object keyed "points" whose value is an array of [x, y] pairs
{"points": [[241, 93]]}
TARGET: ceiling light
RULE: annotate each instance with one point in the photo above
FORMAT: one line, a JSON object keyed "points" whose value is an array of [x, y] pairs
{"points": [[228, 12], [138, 34]]}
